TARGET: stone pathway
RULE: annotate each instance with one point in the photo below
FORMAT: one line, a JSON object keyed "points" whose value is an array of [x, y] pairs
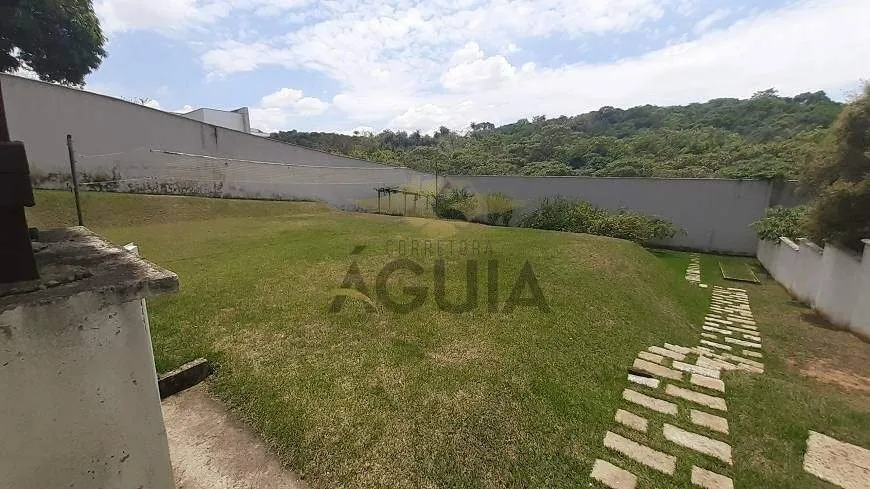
{"points": [[693, 271], [675, 401], [839, 463]]}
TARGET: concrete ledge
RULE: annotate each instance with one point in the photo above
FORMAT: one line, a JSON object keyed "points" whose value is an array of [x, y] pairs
{"points": [[184, 377], [791, 244]]}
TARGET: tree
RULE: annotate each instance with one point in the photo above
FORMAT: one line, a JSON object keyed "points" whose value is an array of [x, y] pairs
{"points": [[60, 40], [841, 180]]}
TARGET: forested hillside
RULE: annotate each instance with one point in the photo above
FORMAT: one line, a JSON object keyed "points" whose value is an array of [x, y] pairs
{"points": [[763, 137]]}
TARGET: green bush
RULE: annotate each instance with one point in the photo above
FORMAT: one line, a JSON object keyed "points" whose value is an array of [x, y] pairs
{"points": [[563, 214], [457, 204], [499, 209], [840, 180], [781, 221]]}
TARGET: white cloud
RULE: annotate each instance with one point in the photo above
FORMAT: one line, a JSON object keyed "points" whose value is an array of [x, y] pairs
{"points": [[481, 74], [276, 110], [704, 24]]}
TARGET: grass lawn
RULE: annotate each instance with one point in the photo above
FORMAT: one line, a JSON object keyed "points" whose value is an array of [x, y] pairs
{"points": [[437, 399]]}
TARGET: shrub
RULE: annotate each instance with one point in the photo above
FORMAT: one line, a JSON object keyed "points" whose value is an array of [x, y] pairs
{"points": [[457, 204], [499, 209], [841, 179], [563, 214], [781, 221]]}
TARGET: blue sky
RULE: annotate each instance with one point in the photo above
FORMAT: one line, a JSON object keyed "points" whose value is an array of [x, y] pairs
{"points": [[341, 65]]}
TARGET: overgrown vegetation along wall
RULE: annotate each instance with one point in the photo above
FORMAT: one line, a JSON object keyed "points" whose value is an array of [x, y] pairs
{"points": [[714, 213], [128, 147], [834, 281]]}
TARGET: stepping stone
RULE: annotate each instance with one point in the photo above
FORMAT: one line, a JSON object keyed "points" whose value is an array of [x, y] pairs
{"points": [[703, 286], [685, 367], [754, 338], [717, 320], [706, 381], [714, 363], [643, 454], [647, 381], [667, 353], [698, 443], [715, 345], [710, 336], [710, 480], [657, 369], [754, 354], [696, 397], [658, 405], [717, 330], [631, 420], [711, 421], [747, 330], [742, 342], [750, 368], [678, 348], [652, 357], [613, 476], [839, 463], [746, 361]]}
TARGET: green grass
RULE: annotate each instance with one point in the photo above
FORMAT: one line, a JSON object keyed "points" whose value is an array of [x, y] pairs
{"points": [[429, 398], [816, 378]]}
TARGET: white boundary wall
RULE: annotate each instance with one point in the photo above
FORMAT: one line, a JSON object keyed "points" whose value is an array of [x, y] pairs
{"points": [[833, 281]]}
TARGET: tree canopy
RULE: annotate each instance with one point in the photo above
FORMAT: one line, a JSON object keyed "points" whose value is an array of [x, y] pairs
{"points": [[766, 136], [60, 40]]}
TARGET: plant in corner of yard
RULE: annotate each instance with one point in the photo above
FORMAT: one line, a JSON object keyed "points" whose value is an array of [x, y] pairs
{"points": [[781, 221], [841, 180], [563, 214]]}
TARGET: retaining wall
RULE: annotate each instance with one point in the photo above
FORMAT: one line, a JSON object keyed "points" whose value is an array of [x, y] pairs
{"points": [[834, 281], [140, 149], [715, 213]]}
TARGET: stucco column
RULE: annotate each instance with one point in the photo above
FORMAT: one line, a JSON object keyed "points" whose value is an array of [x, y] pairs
{"points": [[79, 404]]}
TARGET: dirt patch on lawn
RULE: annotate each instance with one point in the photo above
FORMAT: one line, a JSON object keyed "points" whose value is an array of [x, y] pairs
{"points": [[823, 371]]}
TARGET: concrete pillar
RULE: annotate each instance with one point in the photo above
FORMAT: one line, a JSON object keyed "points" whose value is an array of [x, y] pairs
{"points": [[79, 404]]}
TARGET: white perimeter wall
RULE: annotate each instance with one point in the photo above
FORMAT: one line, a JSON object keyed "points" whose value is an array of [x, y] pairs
{"points": [[122, 135], [834, 281]]}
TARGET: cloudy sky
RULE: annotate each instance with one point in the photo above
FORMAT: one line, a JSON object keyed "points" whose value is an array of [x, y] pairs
{"points": [[340, 65]]}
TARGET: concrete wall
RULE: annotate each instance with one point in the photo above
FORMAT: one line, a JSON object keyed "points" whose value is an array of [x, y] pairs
{"points": [[834, 281], [237, 119], [116, 140], [715, 213], [78, 372]]}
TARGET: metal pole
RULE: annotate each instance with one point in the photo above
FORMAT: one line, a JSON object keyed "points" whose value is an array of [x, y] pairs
{"points": [[17, 262], [75, 178]]}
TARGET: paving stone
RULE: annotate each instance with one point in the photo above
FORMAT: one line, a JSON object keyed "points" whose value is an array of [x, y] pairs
{"points": [[652, 357], [708, 382], [696, 397], [647, 381], [695, 369], [717, 320], [748, 322], [839, 463], [711, 421], [749, 337], [750, 353], [710, 480], [657, 369], [641, 453], [739, 359], [750, 368], [749, 344], [703, 350], [698, 443], [709, 336], [667, 353], [679, 349], [703, 286], [714, 363], [744, 329], [715, 345], [631, 420], [658, 405], [717, 330], [612, 476]]}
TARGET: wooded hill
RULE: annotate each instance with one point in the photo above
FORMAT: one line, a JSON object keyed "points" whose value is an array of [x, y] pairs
{"points": [[766, 136]]}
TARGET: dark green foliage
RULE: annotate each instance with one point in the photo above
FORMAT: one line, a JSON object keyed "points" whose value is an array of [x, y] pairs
{"points": [[455, 204], [563, 214], [781, 221], [60, 40], [840, 180], [766, 136]]}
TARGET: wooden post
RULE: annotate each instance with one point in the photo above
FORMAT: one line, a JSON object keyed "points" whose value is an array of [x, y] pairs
{"points": [[17, 262], [75, 179]]}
